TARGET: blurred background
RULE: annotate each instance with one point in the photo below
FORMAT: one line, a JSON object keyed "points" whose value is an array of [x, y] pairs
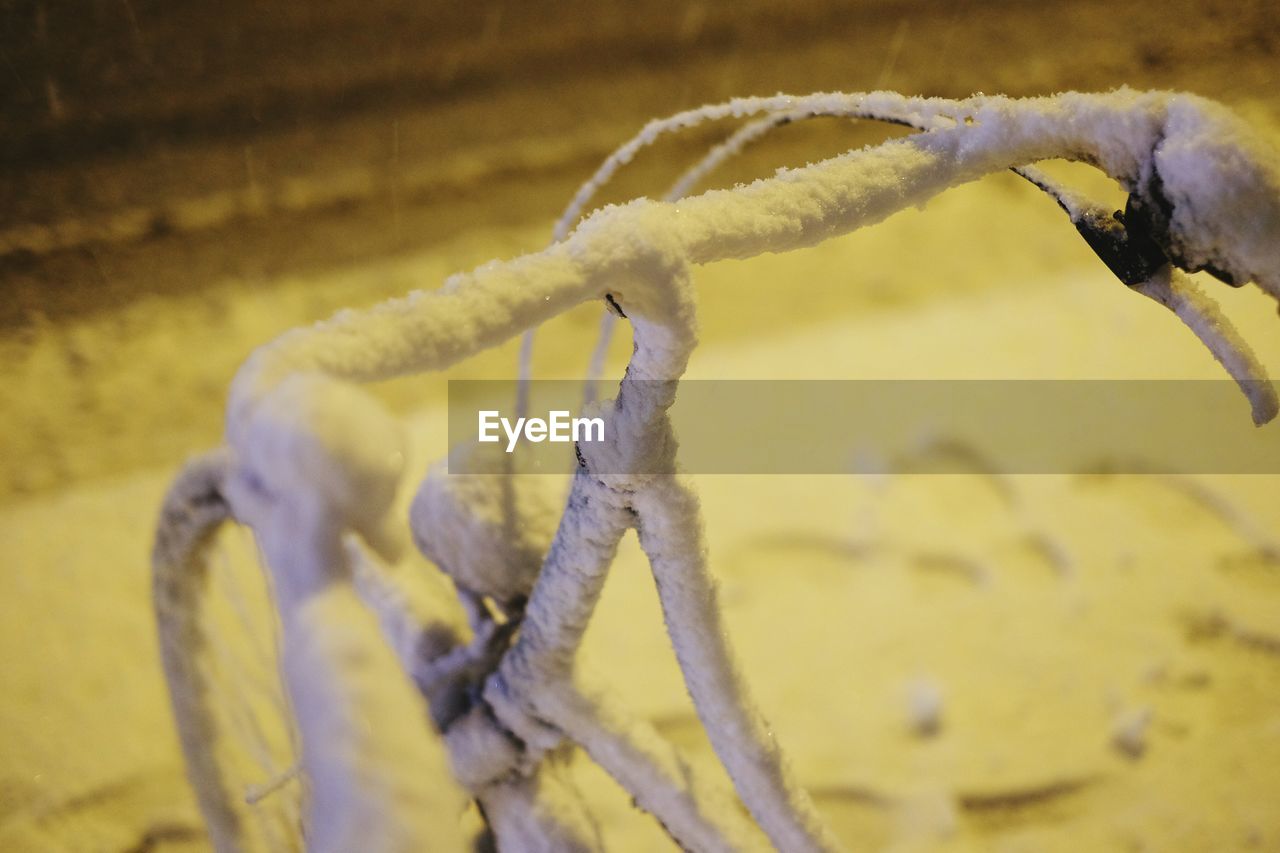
{"points": [[182, 181], [173, 172]]}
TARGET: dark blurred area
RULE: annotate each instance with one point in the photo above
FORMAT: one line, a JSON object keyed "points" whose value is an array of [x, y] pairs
{"points": [[175, 156], [90, 79], [114, 75]]}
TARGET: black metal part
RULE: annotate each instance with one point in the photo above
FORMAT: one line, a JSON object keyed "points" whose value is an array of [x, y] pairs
{"points": [[1150, 213], [614, 306], [1129, 252]]}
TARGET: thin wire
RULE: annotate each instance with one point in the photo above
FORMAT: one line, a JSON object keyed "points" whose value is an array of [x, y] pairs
{"points": [[734, 144], [848, 107], [647, 136]]}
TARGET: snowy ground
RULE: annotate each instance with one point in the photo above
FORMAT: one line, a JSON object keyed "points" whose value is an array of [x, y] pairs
{"points": [[1100, 654]]}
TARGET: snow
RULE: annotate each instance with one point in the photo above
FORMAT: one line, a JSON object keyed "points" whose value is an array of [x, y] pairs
{"points": [[473, 311], [458, 521], [826, 637], [1223, 180]]}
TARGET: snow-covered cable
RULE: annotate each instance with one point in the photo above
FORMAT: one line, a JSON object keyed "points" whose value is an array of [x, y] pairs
{"points": [[1202, 316], [190, 516]]}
